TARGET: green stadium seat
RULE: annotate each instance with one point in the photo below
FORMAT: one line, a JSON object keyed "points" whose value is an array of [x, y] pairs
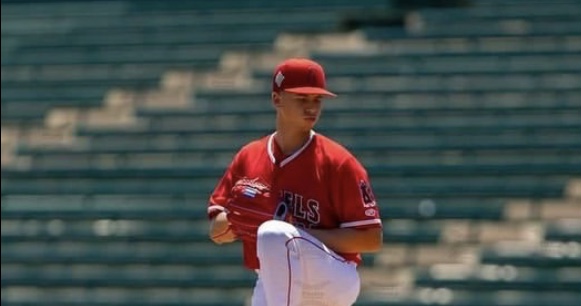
{"points": [[341, 113], [11, 10], [412, 232], [66, 208], [485, 3], [346, 136], [132, 302], [483, 185], [108, 186], [447, 62], [520, 11], [110, 74], [373, 139], [118, 252], [441, 208], [116, 229], [64, 56], [540, 258], [139, 276], [44, 205], [55, 94], [493, 278], [489, 44], [440, 100], [238, 126], [77, 296], [231, 4], [454, 297], [565, 232], [389, 171], [477, 29]]}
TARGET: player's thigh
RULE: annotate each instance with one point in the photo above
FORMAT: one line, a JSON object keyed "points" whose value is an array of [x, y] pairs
{"points": [[326, 274], [258, 295]]}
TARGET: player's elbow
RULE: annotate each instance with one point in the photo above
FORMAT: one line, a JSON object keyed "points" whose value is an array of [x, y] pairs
{"points": [[374, 241], [377, 242]]}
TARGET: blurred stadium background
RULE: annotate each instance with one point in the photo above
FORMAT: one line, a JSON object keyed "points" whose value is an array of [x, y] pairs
{"points": [[119, 116]]}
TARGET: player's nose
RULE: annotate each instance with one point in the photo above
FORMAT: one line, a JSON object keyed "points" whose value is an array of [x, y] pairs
{"points": [[313, 105]]}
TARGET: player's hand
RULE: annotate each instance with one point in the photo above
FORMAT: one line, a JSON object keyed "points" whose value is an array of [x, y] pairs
{"points": [[220, 230]]}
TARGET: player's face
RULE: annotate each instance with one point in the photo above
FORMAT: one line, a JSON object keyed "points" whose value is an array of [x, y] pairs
{"points": [[300, 110]]}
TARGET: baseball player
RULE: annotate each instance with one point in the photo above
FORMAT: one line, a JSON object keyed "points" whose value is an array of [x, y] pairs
{"points": [[301, 204]]}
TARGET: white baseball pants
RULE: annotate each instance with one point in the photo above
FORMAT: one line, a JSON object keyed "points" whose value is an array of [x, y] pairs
{"points": [[299, 270]]}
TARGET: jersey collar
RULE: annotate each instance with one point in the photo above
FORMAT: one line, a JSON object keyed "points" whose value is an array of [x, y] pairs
{"points": [[270, 149]]}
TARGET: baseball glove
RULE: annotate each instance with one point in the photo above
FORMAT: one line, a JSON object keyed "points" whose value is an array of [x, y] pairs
{"points": [[251, 205]]}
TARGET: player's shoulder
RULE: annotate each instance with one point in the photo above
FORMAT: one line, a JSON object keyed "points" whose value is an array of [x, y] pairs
{"points": [[335, 152], [253, 146]]}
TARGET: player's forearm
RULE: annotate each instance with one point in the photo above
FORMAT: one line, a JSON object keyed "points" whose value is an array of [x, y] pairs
{"points": [[346, 240]]}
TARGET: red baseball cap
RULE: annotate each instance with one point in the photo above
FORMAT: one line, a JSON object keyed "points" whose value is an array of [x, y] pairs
{"points": [[300, 76]]}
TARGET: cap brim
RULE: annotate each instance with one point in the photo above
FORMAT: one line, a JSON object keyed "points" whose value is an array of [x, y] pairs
{"points": [[310, 91]]}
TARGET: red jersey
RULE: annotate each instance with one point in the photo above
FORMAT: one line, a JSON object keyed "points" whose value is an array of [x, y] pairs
{"points": [[324, 184]]}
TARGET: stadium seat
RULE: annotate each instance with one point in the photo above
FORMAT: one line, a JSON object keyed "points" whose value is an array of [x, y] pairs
{"points": [[521, 11], [565, 232], [538, 259], [117, 251], [494, 278], [453, 297]]}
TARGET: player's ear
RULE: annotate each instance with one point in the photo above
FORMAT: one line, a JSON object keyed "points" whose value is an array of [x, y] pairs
{"points": [[276, 99]]}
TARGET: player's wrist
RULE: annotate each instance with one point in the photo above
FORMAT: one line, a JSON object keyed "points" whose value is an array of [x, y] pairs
{"points": [[212, 214]]}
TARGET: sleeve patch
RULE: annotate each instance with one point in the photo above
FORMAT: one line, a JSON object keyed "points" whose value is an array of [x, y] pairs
{"points": [[367, 196]]}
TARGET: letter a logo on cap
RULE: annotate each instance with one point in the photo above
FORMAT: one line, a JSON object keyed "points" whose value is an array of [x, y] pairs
{"points": [[279, 78]]}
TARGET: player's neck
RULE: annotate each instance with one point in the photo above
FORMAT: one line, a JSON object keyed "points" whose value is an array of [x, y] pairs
{"points": [[289, 141]]}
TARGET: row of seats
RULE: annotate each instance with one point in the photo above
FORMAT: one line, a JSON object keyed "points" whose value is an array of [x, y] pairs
{"points": [[161, 207], [446, 296], [493, 184], [380, 96], [564, 140], [348, 81], [148, 154], [395, 78], [404, 46], [483, 278], [120, 8], [473, 63], [419, 297], [485, 28], [189, 228], [485, 44], [162, 22], [521, 11], [457, 155]]}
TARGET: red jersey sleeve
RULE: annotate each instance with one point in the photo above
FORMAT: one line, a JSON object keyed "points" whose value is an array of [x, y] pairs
{"points": [[353, 197], [222, 191]]}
